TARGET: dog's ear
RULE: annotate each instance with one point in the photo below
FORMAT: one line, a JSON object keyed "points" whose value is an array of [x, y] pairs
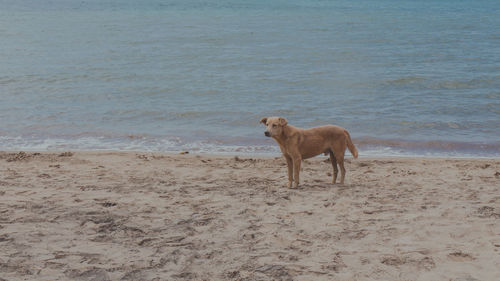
{"points": [[283, 121], [264, 120]]}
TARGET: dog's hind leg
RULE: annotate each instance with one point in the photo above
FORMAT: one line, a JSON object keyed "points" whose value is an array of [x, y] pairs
{"points": [[340, 161], [335, 168]]}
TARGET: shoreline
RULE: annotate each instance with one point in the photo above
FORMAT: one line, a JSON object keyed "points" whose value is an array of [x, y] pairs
{"points": [[367, 146], [154, 216], [252, 155]]}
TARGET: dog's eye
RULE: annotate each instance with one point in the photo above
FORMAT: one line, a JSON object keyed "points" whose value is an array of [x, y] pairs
{"points": [[274, 125]]}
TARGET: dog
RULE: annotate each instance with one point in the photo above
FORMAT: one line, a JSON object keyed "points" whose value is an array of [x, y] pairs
{"points": [[297, 144]]}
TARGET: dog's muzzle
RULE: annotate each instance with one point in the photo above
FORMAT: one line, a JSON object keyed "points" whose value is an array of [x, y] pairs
{"points": [[267, 134]]}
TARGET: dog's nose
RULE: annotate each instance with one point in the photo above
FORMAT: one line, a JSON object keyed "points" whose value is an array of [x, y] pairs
{"points": [[267, 134]]}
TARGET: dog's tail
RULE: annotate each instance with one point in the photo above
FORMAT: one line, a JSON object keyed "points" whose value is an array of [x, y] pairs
{"points": [[350, 145]]}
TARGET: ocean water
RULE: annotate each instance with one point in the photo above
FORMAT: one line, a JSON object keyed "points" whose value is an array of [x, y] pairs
{"points": [[404, 77]]}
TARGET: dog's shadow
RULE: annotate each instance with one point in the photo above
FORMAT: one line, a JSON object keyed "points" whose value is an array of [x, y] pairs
{"points": [[310, 187]]}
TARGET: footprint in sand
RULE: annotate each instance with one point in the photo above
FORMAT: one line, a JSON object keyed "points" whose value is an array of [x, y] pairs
{"points": [[460, 256]]}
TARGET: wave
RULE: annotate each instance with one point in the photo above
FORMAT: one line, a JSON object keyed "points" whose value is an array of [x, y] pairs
{"points": [[395, 147], [423, 83], [140, 143], [368, 147]]}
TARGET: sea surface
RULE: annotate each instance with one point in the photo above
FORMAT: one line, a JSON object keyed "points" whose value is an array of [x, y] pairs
{"points": [[404, 77]]}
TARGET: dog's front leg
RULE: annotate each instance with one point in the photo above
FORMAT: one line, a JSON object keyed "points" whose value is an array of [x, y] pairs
{"points": [[296, 170], [289, 163]]}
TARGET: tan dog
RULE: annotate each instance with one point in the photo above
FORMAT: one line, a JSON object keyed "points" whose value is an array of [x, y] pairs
{"points": [[297, 144]]}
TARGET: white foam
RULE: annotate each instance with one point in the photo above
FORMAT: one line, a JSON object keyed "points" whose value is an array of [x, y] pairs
{"points": [[175, 144]]}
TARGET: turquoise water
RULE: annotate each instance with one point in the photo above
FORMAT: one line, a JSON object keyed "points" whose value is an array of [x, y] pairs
{"points": [[404, 77]]}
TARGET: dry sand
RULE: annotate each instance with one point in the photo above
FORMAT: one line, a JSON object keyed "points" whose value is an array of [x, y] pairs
{"points": [[135, 216]]}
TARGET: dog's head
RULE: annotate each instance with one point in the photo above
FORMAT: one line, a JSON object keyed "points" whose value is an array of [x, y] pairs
{"points": [[274, 125]]}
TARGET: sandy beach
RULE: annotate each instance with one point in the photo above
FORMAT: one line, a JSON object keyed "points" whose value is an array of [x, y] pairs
{"points": [[141, 216]]}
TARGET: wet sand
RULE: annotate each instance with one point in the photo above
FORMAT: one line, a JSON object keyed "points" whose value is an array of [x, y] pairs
{"points": [[137, 216]]}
